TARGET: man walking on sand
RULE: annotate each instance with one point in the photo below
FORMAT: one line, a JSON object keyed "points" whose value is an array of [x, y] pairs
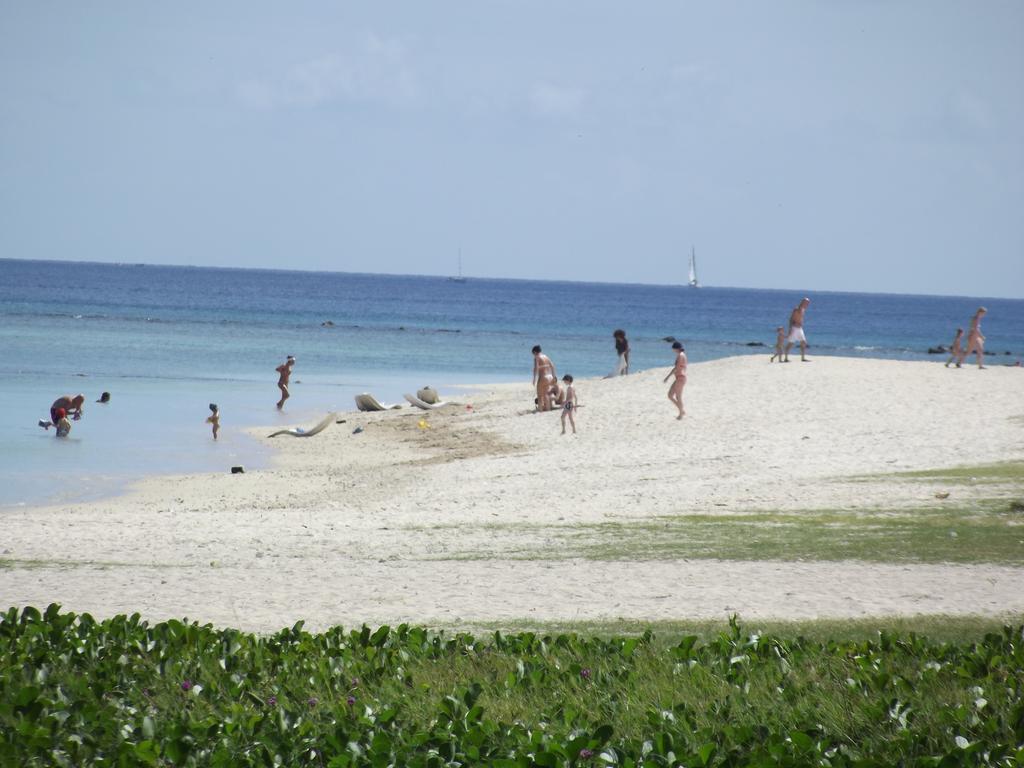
{"points": [[796, 330], [285, 370]]}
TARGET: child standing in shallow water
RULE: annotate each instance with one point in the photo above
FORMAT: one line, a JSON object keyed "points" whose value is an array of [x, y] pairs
{"points": [[569, 405], [780, 341], [214, 419]]}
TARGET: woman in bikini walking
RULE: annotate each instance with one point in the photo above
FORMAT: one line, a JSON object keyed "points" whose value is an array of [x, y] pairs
{"points": [[675, 392]]}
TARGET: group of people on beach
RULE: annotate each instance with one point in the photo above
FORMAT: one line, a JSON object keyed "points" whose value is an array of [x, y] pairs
{"points": [[975, 342], [786, 338], [550, 394]]}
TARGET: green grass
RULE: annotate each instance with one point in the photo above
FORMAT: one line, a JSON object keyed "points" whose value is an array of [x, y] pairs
{"points": [[987, 532], [938, 628], [1007, 472]]}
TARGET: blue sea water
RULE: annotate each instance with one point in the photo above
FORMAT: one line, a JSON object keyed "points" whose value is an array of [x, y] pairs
{"points": [[165, 341]]}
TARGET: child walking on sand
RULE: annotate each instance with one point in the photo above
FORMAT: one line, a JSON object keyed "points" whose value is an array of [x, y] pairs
{"points": [[956, 349], [569, 405], [214, 419], [780, 342]]}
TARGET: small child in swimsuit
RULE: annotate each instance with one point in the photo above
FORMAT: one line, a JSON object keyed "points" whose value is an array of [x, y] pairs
{"points": [[569, 405], [956, 349], [214, 419], [780, 342], [63, 425]]}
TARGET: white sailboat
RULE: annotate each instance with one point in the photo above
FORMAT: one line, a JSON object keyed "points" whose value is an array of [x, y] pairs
{"points": [[459, 278], [693, 269]]}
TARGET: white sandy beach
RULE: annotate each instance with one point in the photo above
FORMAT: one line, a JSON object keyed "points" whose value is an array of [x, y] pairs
{"points": [[437, 525]]}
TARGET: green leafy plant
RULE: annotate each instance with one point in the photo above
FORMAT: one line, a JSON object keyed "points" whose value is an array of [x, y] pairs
{"points": [[76, 692]]}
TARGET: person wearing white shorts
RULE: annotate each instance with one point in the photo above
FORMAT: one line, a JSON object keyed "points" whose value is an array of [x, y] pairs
{"points": [[796, 330]]}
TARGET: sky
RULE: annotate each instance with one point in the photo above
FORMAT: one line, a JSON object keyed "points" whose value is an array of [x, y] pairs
{"points": [[862, 146]]}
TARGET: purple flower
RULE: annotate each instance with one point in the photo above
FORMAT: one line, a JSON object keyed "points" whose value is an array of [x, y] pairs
{"points": [[272, 701], [586, 754], [351, 700], [313, 701], [186, 685], [585, 673]]}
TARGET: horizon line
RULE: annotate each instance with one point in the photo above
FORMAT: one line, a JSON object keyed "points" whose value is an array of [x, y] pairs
{"points": [[470, 278]]}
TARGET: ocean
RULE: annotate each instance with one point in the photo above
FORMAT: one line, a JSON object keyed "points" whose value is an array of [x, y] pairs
{"points": [[166, 341]]}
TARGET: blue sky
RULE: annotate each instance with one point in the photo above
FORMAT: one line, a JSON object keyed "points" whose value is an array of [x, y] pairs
{"points": [[872, 146]]}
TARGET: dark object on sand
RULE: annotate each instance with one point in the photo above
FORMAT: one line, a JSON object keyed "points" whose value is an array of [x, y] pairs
{"points": [[357, 430], [104, 398], [939, 350], [239, 470], [756, 344]]}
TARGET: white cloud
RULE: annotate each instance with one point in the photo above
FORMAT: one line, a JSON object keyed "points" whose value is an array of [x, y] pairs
{"points": [[376, 70], [557, 101]]}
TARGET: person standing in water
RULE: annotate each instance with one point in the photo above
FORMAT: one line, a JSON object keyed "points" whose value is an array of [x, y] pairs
{"points": [[64, 405], [285, 369], [543, 377], [214, 419], [975, 339], [796, 330], [675, 392]]}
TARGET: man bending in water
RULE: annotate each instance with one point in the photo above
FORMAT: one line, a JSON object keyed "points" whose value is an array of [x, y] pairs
{"points": [[675, 392], [796, 330], [975, 339], [69, 405], [543, 377], [285, 369]]}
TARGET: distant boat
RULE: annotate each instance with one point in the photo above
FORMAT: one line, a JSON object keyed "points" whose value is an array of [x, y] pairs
{"points": [[693, 269], [458, 278]]}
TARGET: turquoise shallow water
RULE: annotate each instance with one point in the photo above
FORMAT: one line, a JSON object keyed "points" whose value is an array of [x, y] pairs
{"points": [[165, 341]]}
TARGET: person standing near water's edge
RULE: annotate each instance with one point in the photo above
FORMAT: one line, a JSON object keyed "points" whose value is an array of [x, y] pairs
{"points": [[675, 392], [796, 330], [543, 377], [975, 339], [282, 382], [622, 350]]}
